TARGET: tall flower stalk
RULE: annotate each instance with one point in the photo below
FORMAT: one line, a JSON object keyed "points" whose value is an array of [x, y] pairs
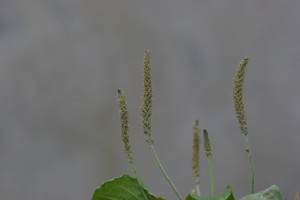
{"points": [[240, 111], [146, 112], [207, 148], [196, 157], [124, 129], [125, 137]]}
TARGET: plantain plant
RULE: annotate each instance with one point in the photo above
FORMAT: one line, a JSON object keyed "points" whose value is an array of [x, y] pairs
{"points": [[128, 187]]}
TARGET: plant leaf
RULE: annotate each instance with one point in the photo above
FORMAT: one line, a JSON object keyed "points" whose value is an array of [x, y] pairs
{"points": [[226, 195], [124, 187], [272, 193]]}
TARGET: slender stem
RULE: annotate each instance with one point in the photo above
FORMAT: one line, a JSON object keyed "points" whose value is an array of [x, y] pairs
{"points": [[250, 161], [154, 154], [197, 187], [134, 171], [142, 189], [211, 173]]}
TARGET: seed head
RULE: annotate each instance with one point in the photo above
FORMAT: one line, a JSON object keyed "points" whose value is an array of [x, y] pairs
{"points": [[124, 124], [195, 156], [146, 109], [238, 95], [206, 143]]}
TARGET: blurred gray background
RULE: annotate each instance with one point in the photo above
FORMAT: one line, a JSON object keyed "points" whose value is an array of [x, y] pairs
{"points": [[61, 62]]}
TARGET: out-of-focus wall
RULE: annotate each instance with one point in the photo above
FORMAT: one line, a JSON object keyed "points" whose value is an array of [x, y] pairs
{"points": [[61, 62]]}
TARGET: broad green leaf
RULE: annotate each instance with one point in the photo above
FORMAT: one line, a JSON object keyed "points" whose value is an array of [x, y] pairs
{"points": [[123, 188], [272, 193], [226, 195]]}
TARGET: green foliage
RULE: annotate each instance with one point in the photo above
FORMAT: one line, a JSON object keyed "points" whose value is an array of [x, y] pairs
{"points": [[226, 195], [272, 193], [123, 187]]}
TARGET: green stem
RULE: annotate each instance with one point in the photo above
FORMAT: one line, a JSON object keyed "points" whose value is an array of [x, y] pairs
{"points": [[250, 161], [197, 187], [155, 157], [142, 189], [211, 173], [134, 171]]}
